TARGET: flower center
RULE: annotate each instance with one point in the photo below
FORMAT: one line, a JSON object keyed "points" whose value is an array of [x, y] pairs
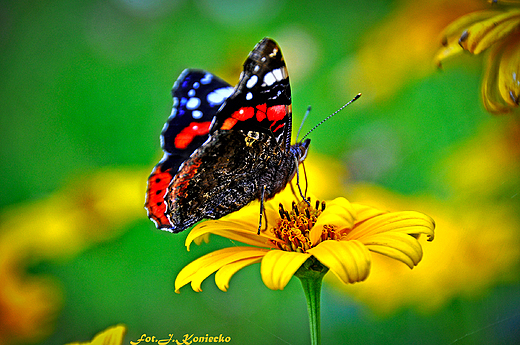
{"points": [[293, 227]]}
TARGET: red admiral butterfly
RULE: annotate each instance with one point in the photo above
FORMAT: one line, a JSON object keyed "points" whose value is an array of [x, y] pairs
{"points": [[217, 160]]}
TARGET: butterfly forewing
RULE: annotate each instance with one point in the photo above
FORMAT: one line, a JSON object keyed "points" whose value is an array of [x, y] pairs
{"points": [[262, 99]]}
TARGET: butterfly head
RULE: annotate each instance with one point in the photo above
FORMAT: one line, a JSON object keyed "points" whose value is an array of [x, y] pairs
{"points": [[300, 150]]}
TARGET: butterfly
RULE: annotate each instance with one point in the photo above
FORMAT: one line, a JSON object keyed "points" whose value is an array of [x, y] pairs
{"points": [[225, 147]]}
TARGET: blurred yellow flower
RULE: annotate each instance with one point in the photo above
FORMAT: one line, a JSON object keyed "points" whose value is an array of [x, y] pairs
{"points": [[486, 166], [27, 304], [338, 234], [330, 179], [88, 211], [400, 48], [111, 336], [498, 31]]}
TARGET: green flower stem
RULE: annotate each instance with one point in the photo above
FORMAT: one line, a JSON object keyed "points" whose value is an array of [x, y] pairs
{"points": [[311, 275]]}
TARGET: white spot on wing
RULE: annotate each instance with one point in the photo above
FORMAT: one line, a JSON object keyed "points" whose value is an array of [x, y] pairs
{"points": [[269, 79], [191, 93], [219, 95], [196, 114], [193, 103], [196, 85], [207, 79], [252, 81], [278, 74], [249, 96], [174, 108], [161, 138], [164, 128]]}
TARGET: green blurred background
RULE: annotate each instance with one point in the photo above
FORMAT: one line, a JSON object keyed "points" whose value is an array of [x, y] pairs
{"points": [[84, 88]]}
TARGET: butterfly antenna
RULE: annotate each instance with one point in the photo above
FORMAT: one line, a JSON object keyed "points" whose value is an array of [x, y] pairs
{"points": [[331, 115], [303, 121]]}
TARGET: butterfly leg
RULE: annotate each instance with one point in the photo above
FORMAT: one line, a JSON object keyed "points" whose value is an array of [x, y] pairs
{"points": [[261, 211], [298, 182]]}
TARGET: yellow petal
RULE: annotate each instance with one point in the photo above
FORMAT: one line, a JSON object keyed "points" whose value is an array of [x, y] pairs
{"points": [[278, 267], [460, 24], [111, 336], [248, 214], [224, 274], [451, 34], [237, 230], [483, 34], [365, 212], [451, 49], [200, 269], [499, 32], [339, 212], [490, 92], [349, 260], [398, 246], [408, 222], [509, 71], [342, 207], [340, 201]]}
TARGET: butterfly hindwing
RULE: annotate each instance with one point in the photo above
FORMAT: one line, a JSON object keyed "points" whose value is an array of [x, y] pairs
{"points": [[197, 95], [223, 176]]}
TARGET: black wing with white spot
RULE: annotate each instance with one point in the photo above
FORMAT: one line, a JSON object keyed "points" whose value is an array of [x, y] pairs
{"points": [[197, 95], [261, 101]]}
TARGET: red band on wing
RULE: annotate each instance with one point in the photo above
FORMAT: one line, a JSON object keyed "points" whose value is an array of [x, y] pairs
{"points": [[244, 113], [273, 114], [185, 137], [261, 112], [276, 112], [158, 182], [179, 186], [280, 126], [229, 123]]}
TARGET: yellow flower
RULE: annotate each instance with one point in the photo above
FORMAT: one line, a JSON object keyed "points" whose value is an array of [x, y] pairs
{"points": [[338, 234], [498, 32], [111, 336]]}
